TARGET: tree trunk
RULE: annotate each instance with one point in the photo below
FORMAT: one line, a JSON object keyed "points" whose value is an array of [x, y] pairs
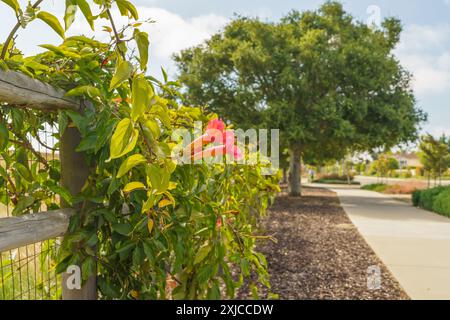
{"points": [[295, 173], [285, 179], [429, 180]]}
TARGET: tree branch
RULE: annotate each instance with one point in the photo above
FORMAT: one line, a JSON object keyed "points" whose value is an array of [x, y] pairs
{"points": [[26, 144], [118, 41], [13, 32]]}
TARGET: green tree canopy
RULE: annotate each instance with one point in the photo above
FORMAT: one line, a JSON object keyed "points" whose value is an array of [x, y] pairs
{"points": [[330, 83]]}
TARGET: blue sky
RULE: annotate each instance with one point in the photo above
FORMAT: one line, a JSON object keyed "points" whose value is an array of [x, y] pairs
{"points": [[424, 48]]}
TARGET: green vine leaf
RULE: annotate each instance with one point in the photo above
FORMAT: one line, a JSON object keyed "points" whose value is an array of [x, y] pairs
{"points": [[123, 73], [122, 228], [130, 163], [4, 136], [64, 193], [123, 139], [60, 51], [52, 21], [142, 44], [70, 12], [88, 268], [141, 95], [202, 253], [23, 204], [89, 91]]}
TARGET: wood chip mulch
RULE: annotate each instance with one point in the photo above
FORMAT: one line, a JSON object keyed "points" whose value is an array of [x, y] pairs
{"points": [[320, 254]]}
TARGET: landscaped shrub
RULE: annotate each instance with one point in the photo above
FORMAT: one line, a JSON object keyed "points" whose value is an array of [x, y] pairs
{"points": [[436, 199], [327, 181], [442, 203], [336, 177], [406, 174]]}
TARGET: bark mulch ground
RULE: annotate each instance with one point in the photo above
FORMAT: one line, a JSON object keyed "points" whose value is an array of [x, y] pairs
{"points": [[320, 254]]}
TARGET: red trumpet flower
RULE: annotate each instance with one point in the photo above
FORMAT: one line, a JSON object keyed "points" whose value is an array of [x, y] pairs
{"points": [[215, 132]]}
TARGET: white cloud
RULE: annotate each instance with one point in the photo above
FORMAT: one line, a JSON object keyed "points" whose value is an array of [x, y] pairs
{"points": [[437, 131], [424, 51], [422, 37], [169, 33], [172, 33]]}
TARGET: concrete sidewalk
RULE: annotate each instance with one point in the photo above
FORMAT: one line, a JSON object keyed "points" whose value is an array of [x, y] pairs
{"points": [[413, 243]]}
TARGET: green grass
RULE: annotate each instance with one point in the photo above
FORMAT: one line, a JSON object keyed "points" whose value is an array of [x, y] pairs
{"points": [[436, 200], [377, 187]]}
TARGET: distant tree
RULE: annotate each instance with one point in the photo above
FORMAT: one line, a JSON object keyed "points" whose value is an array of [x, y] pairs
{"points": [[360, 167], [383, 165], [435, 156], [393, 165], [330, 83]]}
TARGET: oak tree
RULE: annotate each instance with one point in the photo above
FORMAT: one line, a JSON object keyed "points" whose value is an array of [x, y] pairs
{"points": [[330, 83]]}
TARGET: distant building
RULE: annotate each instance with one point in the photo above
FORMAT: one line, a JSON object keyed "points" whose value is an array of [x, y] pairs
{"points": [[408, 160]]}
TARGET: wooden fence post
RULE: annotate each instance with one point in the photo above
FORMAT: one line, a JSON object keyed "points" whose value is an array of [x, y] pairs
{"points": [[74, 173]]}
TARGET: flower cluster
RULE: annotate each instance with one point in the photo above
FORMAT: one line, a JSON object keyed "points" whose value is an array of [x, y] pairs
{"points": [[220, 140]]}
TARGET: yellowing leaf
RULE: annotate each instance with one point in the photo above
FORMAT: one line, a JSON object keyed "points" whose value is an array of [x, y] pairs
{"points": [[52, 21], [123, 140], [127, 8], [134, 294], [164, 203], [142, 44], [171, 166], [150, 225], [172, 185], [153, 127], [129, 163], [161, 111], [60, 51], [148, 204], [141, 96], [133, 186], [123, 72], [36, 66]]}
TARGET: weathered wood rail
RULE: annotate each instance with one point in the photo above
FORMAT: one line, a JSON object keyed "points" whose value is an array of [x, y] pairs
{"points": [[20, 91], [16, 232]]}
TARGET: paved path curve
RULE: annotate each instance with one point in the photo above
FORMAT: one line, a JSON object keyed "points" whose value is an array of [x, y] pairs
{"points": [[413, 243]]}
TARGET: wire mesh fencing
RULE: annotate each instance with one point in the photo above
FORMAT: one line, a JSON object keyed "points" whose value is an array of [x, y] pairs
{"points": [[28, 273]]}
